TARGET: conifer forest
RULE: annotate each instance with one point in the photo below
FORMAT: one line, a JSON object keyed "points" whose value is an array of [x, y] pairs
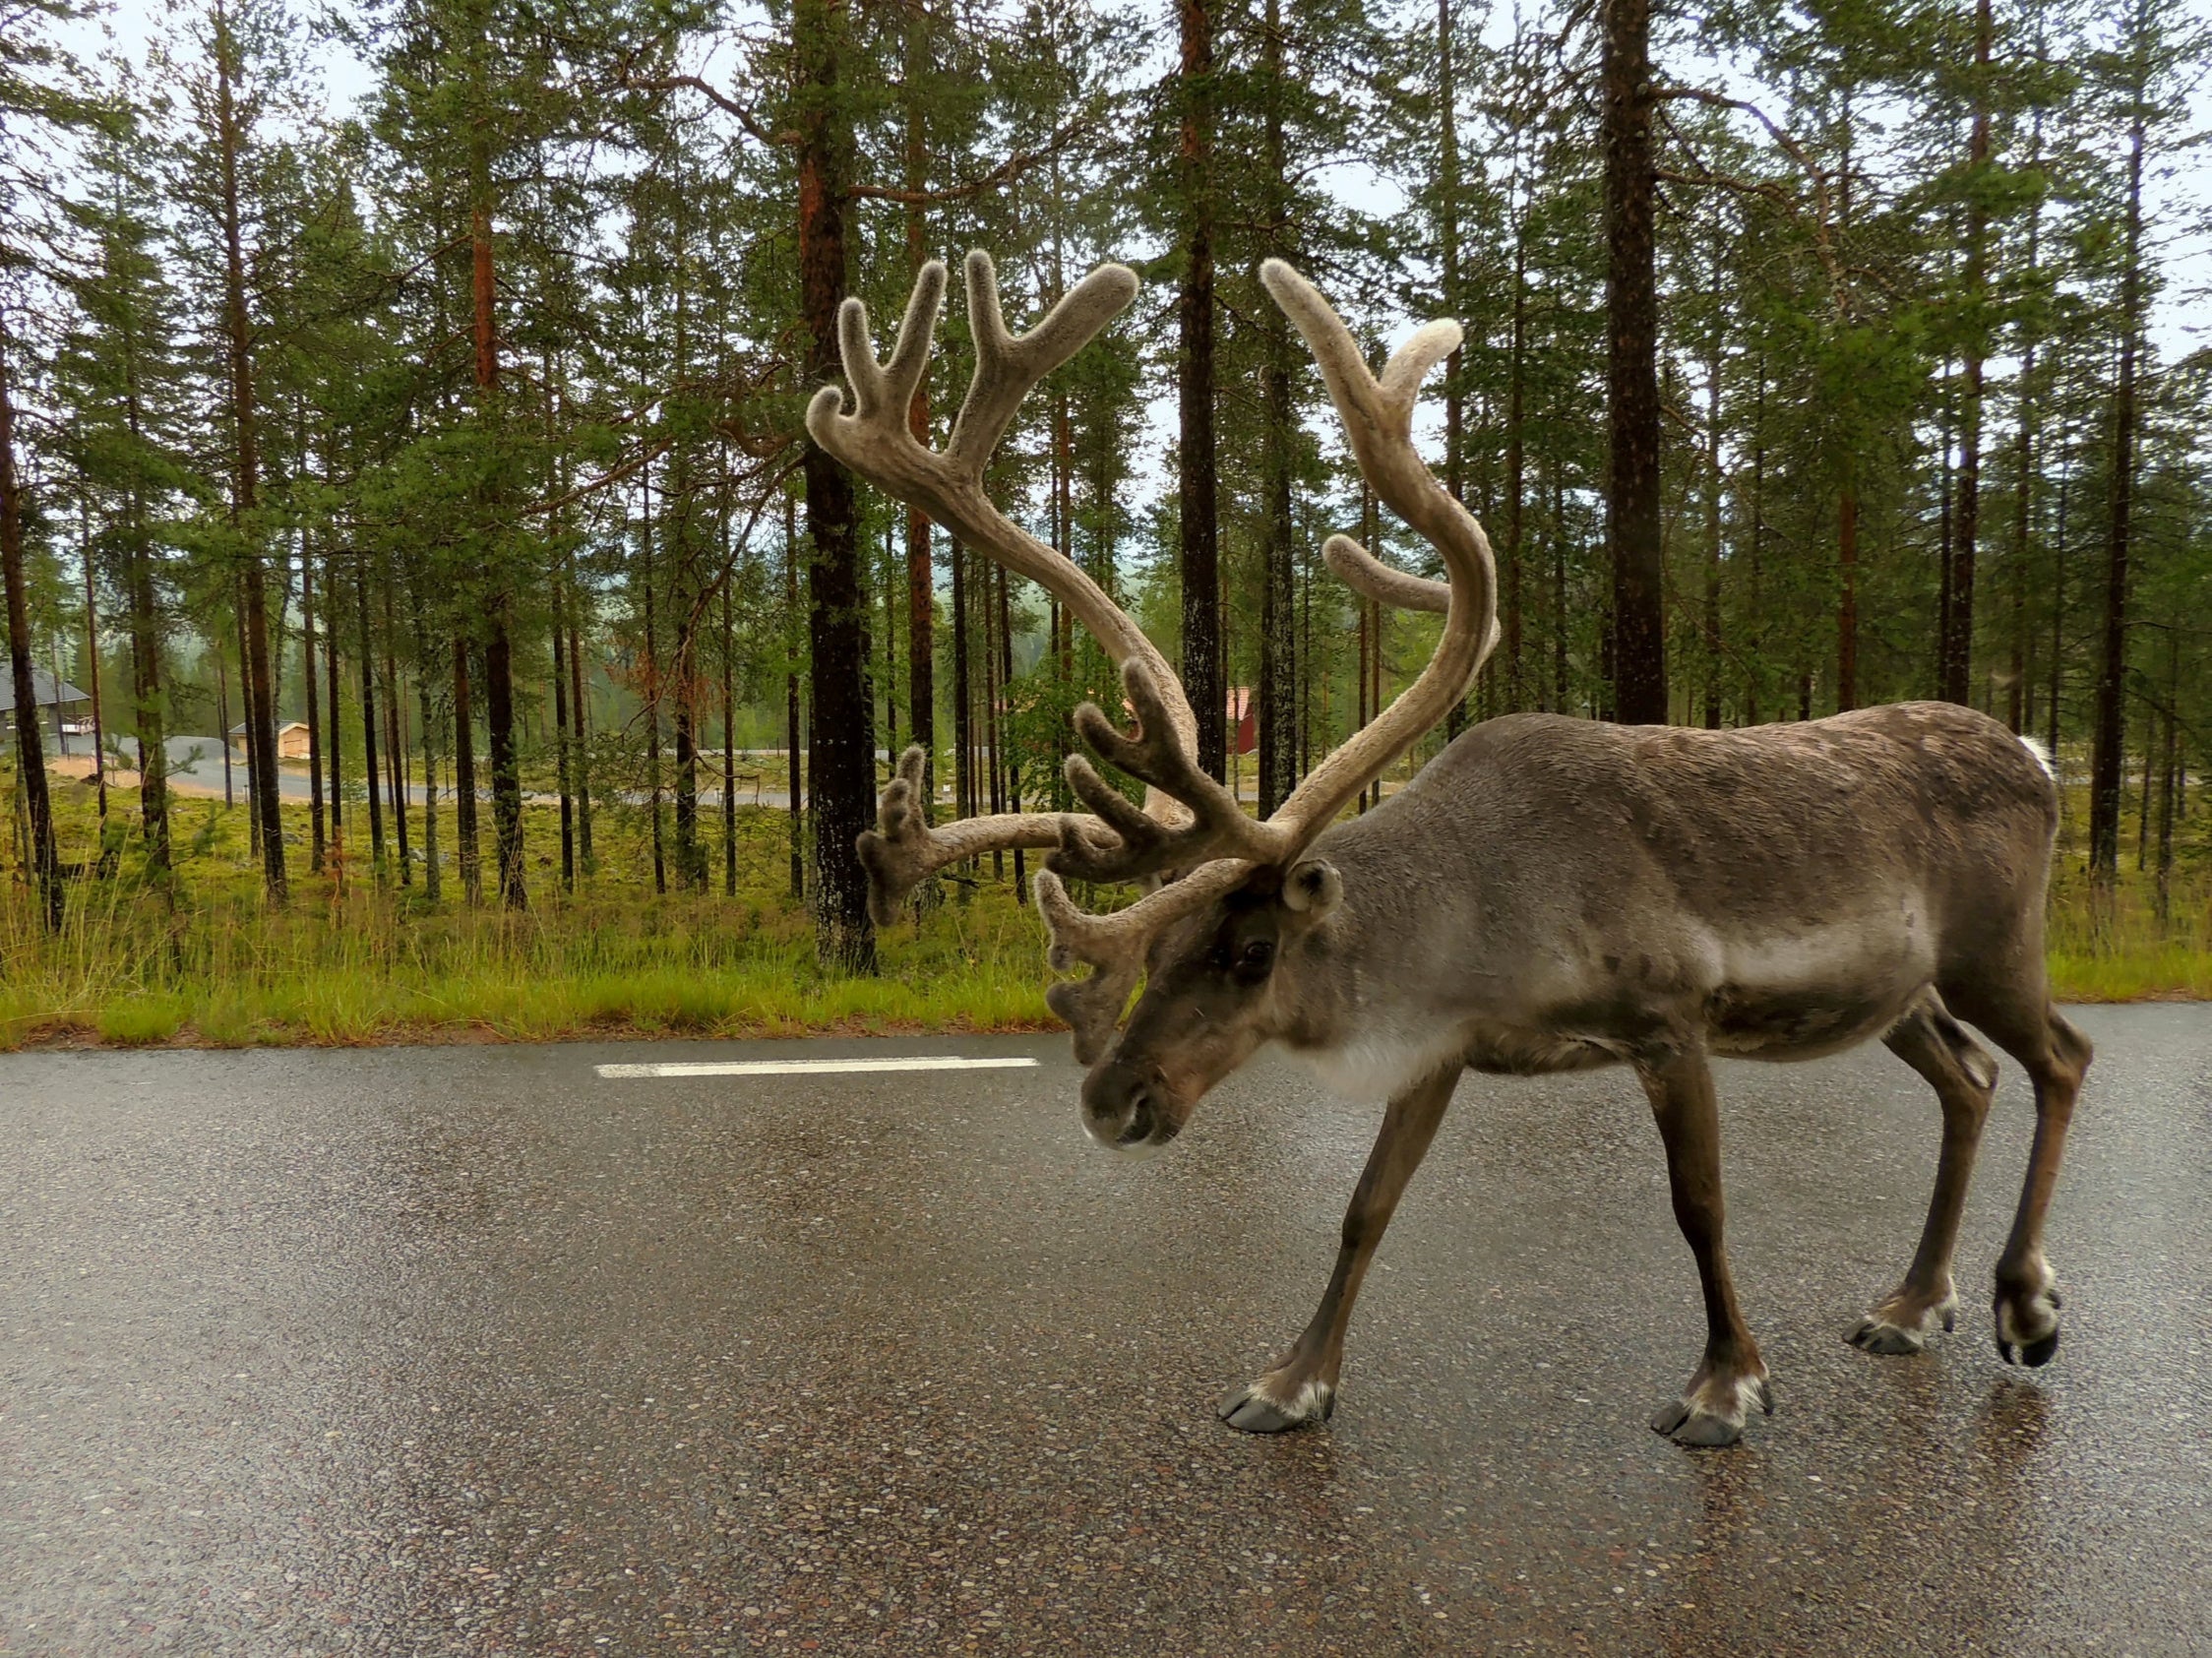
{"points": [[425, 608]]}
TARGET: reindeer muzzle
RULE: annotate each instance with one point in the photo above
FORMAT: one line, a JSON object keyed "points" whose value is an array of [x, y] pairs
{"points": [[1130, 1109]]}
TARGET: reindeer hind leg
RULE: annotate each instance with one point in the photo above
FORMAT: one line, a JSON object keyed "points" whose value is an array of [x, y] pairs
{"points": [[1964, 1077]]}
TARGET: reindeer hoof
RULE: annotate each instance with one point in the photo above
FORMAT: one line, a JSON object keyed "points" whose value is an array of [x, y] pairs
{"points": [[1272, 1406], [1712, 1412], [1687, 1425], [1878, 1335], [1903, 1325], [2035, 1354], [2027, 1318]]}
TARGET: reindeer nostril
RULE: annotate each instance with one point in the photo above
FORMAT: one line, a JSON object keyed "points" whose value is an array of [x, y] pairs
{"points": [[1141, 1120]]}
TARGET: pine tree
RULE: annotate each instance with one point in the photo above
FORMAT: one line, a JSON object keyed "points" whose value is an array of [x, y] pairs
{"points": [[120, 379], [39, 99]]}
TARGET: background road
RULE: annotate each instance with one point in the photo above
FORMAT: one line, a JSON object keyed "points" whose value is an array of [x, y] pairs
{"points": [[470, 1351]]}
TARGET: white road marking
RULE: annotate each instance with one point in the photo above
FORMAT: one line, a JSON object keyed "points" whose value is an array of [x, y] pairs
{"points": [[811, 1068]]}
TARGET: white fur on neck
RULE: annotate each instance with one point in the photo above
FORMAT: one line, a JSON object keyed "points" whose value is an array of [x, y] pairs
{"points": [[1383, 1060]]}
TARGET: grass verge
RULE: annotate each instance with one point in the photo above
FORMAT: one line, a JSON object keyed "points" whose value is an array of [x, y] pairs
{"points": [[357, 962]]}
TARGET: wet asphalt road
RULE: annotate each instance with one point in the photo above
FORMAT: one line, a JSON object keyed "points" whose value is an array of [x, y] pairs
{"points": [[466, 1351]]}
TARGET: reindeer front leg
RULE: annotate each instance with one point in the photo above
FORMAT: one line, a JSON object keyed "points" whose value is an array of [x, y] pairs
{"points": [[1302, 1385], [1711, 1410]]}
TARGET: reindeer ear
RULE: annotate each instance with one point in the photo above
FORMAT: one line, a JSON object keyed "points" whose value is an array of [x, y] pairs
{"points": [[1314, 889]]}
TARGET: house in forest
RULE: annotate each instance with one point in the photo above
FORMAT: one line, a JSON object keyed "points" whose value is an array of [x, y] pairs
{"points": [[1244, 718], [71, 707], [291, 739]]}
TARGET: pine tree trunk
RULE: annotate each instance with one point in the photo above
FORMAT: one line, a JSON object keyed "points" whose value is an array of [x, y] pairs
{"points": [[1455, 370], [336, 743], [888, 583], [30, 754], [1558, 594], [2022, 704], [2168, 785], [1516, 462], [433, 878], [1198, 483], [921, 582], [964, 745], [1002, 738], [1279, 706], [245, 692], [1632, 528], [261, 715], [92, 660], [2111, 668], [1847, 501], [1713, 494], [561, 746], [1958, 676], [2018, 711], [579, 718], [691, 848], [791, 725], [314, 709], [996, 755], [395, 728], [649, 659], [152, 727], [1847, 597], [464, 778], [223, 723], [369, 772], [1754, 641], [2057, 664], [499, 675], [729, 742], [2150, 770], [841, 740]]}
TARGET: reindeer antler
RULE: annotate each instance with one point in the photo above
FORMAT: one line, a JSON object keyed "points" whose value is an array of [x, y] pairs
{"points": [[1189, 823], [1377, 417], [874, 440]]}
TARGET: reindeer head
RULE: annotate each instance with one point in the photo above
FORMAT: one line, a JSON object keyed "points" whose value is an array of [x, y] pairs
{"points": [[1228, 894]]}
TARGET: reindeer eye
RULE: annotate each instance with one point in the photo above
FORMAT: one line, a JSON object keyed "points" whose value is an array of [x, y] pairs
{"points": [[1257, 957]]}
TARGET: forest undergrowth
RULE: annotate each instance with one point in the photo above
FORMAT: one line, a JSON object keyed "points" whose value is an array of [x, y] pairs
{"points": [[356, 961]]}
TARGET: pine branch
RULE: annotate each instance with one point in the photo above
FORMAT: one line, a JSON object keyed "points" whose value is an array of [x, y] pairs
{"points": [[628, 468], [746, 118], [1006, 172], [1823, 217]]}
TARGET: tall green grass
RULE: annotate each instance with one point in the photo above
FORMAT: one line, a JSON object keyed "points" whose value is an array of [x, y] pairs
{"points": [[209, 961], [2116, 946], [360, 961]]}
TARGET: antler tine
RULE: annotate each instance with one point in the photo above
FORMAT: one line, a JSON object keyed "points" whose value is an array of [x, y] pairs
{"points": [[1152, 754], [1008, 365], [875, 442], [904, 849], [887, 388], [1377, 419], [1370, 408], [1369, 577], [1115, 946]]}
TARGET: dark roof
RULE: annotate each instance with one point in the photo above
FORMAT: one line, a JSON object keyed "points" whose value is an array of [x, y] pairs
{"points": [[43, 688]]}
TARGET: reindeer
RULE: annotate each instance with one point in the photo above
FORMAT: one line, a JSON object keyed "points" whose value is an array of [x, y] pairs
{"points": [[1548, 894]]}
